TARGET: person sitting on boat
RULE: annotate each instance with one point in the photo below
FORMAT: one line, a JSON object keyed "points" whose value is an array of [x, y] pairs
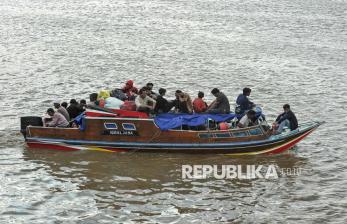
{"points": [[130, 90], [285, 119], [93, 100], [152, 94], [184, 103], [162, 105], [144, 103], [221, 105], [199, 104], [247, 120], [74, 109], [243, 102], [64, 104], [58, 120], [61, 110], [83, 104]]}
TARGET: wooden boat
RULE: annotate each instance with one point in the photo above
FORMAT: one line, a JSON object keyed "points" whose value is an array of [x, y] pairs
{"points": [[111, 133]]}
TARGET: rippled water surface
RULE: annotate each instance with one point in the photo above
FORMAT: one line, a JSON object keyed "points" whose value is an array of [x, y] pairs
{"points": [[287, 51]]}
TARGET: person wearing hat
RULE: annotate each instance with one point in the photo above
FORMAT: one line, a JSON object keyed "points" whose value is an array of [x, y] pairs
{"points": [[61, 110], [58, 120]]}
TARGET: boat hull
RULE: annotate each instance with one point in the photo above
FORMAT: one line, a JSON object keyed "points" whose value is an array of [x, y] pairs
{"points": [[270, 145]]}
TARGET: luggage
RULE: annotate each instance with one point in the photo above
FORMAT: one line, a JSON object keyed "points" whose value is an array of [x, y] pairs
{"points": [[118, 93], [104, 94], [129, 105], [113, 103]]}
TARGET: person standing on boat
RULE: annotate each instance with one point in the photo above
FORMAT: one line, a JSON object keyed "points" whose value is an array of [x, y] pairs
{"points": [[247, 120], [243, 102], [285, 119], [61, 110], [144, 103], [58, 120], [199, 104], [221, 105], [162, 105]]}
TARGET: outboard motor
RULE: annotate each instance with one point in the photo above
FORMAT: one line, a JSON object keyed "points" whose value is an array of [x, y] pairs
{"points": [[29, 121]]}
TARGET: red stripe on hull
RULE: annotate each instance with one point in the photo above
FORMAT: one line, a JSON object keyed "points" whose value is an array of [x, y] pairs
{"points": [[290, 145]]}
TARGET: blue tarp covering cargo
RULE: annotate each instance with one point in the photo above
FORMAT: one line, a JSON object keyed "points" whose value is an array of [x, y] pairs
{"points": [[170, 121]]}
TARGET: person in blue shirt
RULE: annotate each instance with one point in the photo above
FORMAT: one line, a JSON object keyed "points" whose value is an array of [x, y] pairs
{"points": [[243, 102]]}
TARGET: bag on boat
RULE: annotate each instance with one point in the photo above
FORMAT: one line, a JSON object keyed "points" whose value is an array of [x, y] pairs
{"points": [[129, 105], [113, 103], [104, 94], [118, 93]]}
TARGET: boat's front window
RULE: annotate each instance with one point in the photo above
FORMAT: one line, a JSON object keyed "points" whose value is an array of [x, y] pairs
{"points": [[129, 127], [110, 126]]}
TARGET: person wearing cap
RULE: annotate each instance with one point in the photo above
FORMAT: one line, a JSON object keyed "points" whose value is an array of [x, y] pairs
{"points": [[199, 104], [61, 110], [221, 104], [130, 90], [58, 120]]}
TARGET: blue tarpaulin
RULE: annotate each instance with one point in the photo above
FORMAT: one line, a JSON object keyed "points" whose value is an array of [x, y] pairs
{"points": [[80, 120], [170, 121]]}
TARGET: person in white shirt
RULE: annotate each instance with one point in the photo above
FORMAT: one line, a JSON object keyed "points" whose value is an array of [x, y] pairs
{"points": [[144, 103], [247, 120]]}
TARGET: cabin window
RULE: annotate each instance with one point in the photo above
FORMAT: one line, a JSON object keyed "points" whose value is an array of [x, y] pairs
{"points": [[255, 131], [223, 135], [240, 134], [206, 135], [129, 127], [111, 126]]}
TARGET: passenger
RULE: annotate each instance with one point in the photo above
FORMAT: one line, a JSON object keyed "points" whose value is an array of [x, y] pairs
{"points": [[162, 105], [152, 94], [74, 109], [243, 102], [58, 120], [199, 104], [286, 119], [130, 90], [185, 104], [144, 103], [83, 104], [64, 104], [61, 110], [221, 105], [247, 120], [175, 103], [93, 100]]}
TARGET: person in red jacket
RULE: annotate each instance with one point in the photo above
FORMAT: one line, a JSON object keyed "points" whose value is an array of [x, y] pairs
{"points": [[130, 90], [199, 104]]}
